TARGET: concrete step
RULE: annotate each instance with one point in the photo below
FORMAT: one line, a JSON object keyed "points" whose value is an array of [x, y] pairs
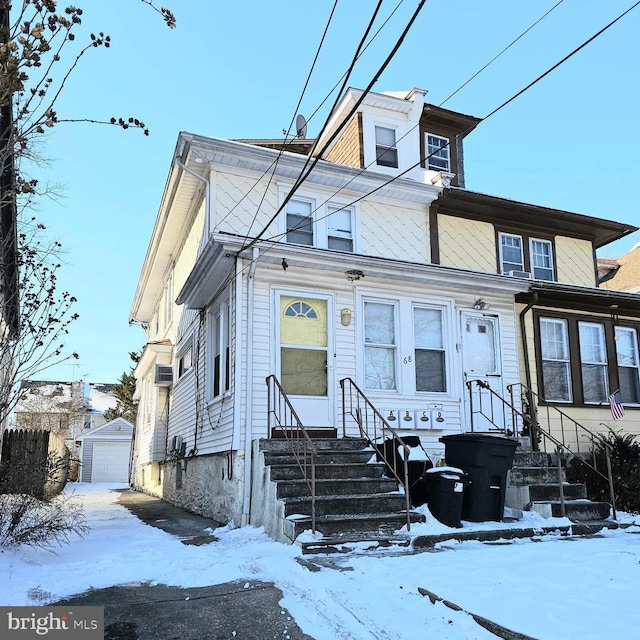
{"points": [[541, 492], [575, 510], [384, 524], [371, 503], [530, 459], [329, 471], [312, 432], [323, 456], [520, 476], [346, 543], [348, 444], [354, 487]]}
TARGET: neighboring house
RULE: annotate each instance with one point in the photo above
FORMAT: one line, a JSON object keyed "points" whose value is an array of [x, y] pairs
{"points": [[622, 274], [411, 288], [69, 408], [105, 452]]}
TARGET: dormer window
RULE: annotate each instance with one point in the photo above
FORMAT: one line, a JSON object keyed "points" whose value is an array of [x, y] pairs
{"points": [[438, 153], [386, 150]]}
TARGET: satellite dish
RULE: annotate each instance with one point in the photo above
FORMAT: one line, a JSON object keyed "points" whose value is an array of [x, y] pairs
{"points": [[301, 126]]}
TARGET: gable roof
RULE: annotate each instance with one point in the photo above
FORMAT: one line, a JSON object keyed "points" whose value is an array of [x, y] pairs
{"points": [[627, 275], [120, 424]]}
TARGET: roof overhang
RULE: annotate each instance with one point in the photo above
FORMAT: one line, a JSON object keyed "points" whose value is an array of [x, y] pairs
{"points": [[590, 299], [530, 217]]}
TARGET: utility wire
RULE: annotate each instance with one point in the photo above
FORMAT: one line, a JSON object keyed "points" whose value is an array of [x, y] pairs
{"points": [[491, 113], [338, 130], [310, 159], [285, 142]]}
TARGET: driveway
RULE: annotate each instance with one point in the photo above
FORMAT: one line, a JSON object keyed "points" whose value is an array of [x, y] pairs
{"points": [[243, 609]]}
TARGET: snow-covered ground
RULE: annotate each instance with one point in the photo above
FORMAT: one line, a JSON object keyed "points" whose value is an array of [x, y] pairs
{"points": [[558, 588]]}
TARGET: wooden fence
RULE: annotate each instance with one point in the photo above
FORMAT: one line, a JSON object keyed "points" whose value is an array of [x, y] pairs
{"points": [[33, 462]]}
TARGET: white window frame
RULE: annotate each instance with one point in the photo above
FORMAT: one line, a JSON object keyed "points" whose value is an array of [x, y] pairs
{"points": [[219, 346], [636, 356], [566, 360], [535, 270], [321, 211], [602, 364], [384, 148], [502, 235], [405, 347], [441, 152], [185, 354]]}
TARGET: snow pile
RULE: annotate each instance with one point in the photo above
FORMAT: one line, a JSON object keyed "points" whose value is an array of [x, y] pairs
{"points": [[560, 588]]}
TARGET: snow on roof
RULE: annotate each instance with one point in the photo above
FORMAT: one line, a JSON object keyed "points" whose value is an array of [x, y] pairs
{"points": [[101, 397]]}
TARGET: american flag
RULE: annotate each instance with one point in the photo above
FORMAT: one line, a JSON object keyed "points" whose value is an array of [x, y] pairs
{"points": [[617, 410]]}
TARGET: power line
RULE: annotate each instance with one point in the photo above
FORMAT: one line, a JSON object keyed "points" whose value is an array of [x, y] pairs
{"points": [[491, 113], [338, 130], [295, 112], [274, 164]]}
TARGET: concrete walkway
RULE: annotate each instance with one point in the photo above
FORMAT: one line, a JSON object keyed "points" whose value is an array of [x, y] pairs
{"points": [[246, 609]]}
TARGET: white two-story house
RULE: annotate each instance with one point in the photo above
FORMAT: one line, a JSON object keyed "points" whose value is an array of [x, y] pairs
{"points": [[380, 268]]}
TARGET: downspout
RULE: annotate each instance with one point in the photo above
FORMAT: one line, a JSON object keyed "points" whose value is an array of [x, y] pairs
{"points": [[246, 507], [207, 199]]}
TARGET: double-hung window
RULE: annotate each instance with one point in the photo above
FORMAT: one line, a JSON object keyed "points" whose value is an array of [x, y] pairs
{"points": [[219, 338], [185, 360], [438, 153], [339, 228], [626, 340], [520, 253], [386, 150], [593, 362], [313, 221], [380, 345], [556, 365], [300, 222], [429, 349], [541, 259]]}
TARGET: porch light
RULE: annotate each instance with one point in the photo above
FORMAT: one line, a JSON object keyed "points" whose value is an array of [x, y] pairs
{"points": [[480, 304], [353, 274], [345, 317]]}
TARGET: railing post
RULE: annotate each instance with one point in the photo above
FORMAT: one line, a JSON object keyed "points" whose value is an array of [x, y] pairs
{"points": [[470, 403], [560, 481], [344, 410], [610, 475]]}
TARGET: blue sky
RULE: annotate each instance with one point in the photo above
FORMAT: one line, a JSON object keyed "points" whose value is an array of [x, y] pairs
{"points": [[236, 70]]}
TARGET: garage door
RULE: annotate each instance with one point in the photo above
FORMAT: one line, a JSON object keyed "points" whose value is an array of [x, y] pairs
{"points": [[110, 462]]}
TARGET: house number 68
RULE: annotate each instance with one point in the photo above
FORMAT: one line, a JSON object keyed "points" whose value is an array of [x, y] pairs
{"points": [[408, 359]]}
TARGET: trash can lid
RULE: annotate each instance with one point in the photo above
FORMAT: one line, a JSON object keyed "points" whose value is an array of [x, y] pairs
{"points": [[447, 472]]}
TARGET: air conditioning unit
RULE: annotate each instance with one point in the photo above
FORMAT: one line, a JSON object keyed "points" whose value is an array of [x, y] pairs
{"points": [[524, 275], [163, 375]]}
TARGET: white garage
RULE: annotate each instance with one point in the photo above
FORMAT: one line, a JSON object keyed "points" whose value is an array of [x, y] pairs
{"points": [[105, 452]]}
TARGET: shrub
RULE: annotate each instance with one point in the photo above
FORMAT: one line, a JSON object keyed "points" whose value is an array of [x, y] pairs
{"points": [[625, 469], [25, 520]]}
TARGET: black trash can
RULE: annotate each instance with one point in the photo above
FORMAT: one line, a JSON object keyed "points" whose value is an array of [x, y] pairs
{"points": [[445, 491], [485, 459]]}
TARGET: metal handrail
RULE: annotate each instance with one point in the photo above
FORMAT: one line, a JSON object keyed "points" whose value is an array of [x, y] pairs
{"points": [[282, 415], [376, 430], [532, 422]]}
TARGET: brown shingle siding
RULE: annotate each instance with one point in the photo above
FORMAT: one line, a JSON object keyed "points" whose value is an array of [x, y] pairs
{"points": [[348, 149]]}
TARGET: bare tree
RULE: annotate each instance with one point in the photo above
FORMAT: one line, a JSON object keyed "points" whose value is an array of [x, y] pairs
{"points": [[34, 314]]}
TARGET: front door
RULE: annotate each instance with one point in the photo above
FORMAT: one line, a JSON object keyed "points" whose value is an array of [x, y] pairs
{"points": [[303, 348], [481, 361]]}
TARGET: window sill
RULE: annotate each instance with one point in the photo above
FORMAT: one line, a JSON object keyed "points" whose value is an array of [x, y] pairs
{"points": [[218, 399]]}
